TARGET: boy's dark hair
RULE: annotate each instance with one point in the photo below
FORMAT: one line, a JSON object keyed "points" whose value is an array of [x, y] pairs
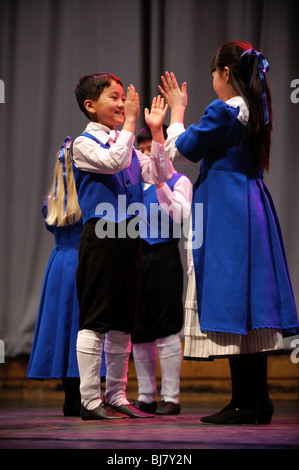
{"points": [[145, 134], [91, 86], [246, 82]]}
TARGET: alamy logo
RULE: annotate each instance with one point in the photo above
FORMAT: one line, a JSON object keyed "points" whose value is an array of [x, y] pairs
{"points": [[295, 352], [161, 224], [2, 352], [295, 93], [2, 92]]}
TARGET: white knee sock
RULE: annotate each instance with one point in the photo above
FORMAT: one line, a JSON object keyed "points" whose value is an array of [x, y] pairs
{"points": [[145, 360], [170, 354], [89, 356], [117, 351]]}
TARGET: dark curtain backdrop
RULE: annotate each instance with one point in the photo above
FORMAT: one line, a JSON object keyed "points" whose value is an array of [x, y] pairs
{"points": [[46, 45]]}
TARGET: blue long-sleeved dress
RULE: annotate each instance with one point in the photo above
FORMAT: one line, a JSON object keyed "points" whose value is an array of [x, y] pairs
{"points": [[242, 277]]}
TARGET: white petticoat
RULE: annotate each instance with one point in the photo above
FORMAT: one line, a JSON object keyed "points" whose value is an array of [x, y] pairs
{"points": [[210, 345]]}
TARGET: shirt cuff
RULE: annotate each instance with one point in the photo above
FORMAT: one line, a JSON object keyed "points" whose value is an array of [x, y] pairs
{"points": [[164, 193], [175, 129]]}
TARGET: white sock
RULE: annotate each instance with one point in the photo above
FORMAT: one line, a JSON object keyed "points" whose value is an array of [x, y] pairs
{"points": [[117, 352], [89, 356], [170, 354], [145, 360]]}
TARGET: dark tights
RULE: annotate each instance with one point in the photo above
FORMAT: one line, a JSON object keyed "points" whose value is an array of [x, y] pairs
{"points": [[249, 378], [72, 402]]}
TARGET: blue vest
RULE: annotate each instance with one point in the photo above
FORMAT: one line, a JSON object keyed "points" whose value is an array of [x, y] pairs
{"points": [[108, 196], [161, 227]]}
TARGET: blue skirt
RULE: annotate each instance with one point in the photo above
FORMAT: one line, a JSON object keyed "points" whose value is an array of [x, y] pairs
{"points": [[242, 277], [53, 352]]}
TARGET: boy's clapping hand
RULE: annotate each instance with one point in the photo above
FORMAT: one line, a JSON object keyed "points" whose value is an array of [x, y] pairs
{"points": [[131, 109], [155, 118]]}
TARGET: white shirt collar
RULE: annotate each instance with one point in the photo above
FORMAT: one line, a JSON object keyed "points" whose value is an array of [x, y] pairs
{"points": [[104, 133], [238, 101]]}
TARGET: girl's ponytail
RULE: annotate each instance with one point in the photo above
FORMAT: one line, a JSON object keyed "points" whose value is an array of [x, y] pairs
{"points": [[247, 76], [255, 66], [63, 207]]}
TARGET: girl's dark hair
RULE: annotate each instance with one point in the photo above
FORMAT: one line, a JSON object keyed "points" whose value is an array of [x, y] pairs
{"points": [[246, 81], [91, 86]]}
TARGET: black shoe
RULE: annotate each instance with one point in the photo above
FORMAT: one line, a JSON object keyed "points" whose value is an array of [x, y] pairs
{"points": [[168, 408], [146, 407], [233, 415], [131, 411], [102, 411], [266, 412]]}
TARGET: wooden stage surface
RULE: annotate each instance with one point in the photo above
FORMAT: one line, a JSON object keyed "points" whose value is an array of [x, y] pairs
{"points": [[31, 417]]}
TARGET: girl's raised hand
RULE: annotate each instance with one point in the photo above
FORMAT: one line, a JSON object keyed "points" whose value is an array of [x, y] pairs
{"points": [[174, 96], [172, 92]]}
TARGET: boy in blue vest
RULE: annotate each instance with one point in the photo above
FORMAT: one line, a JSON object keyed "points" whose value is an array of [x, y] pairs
{"points": [[108, 174], [160, 316]]}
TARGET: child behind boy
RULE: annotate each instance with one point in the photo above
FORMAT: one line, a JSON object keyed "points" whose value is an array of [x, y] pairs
{"points": [[107, 167], [160, 316]]}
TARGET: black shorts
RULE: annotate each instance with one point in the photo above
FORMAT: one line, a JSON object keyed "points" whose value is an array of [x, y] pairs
{"points": [[108, 281], [161, 309]]}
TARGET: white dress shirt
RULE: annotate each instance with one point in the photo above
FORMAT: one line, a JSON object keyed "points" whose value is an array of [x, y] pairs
{"points": [[176, 202], [88, 155]]}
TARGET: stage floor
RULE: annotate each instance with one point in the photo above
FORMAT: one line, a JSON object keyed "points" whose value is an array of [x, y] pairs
{"points": [[41, 426]]}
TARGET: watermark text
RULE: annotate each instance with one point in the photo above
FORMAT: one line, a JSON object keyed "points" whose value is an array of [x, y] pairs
{"points": [[295, 352], [295, 93], [2, 92], [173, 224], [2, 352]]}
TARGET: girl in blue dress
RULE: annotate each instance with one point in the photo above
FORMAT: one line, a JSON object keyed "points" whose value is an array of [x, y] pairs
{"points": [[53, 352], [239, 297]]}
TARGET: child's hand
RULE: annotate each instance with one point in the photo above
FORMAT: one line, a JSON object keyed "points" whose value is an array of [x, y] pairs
{"points": [[171, 92], [174, 96], [155, 118], [131, 109]]}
